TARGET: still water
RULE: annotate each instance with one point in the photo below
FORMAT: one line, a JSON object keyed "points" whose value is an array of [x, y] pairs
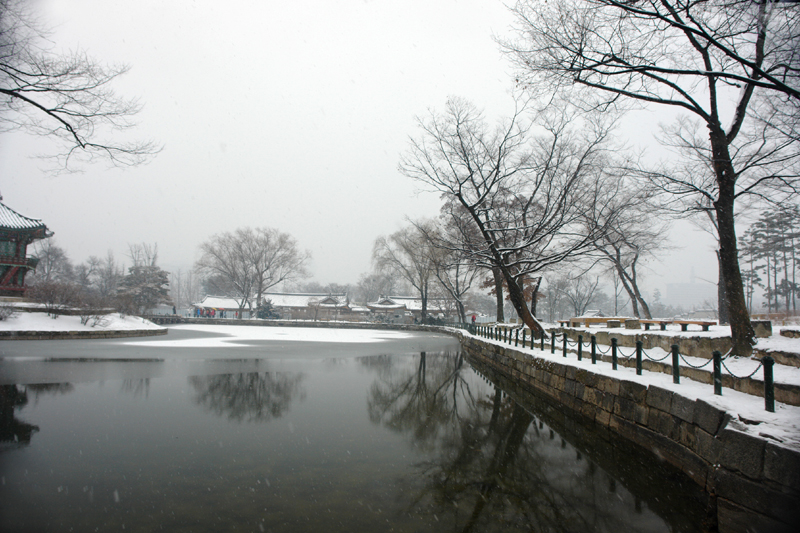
{"points": [[395, 432]]}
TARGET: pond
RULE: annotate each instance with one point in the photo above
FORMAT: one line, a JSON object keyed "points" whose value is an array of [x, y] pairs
{"points": [[365, 431]]}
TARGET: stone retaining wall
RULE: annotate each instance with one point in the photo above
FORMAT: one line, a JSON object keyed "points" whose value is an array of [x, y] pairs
{"points": [[55, 335], [755, 481]]}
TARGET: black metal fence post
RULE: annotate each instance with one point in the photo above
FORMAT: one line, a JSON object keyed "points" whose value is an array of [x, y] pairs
{"points": [[523, 338], [516, 338], [717, 372], [638, 358], [676, 367], [553, 343], [769, 385], [613, 354], [594, 350], [580, 347], [564, 349], [542, 344]]}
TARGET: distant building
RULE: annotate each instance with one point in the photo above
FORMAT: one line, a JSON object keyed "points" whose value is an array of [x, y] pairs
{"points": [[292, 306], [408, 308], [16, 233]]}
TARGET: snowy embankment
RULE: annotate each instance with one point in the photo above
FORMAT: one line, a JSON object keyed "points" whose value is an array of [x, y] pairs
{"points": [[65, 323], [747, 411]]}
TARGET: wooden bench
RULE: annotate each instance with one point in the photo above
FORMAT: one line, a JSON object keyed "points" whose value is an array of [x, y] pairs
{"points": [[685, 324], [662, 323]]}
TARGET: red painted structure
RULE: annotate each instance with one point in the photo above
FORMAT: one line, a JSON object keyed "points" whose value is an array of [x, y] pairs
{"points": [[16, 233]]}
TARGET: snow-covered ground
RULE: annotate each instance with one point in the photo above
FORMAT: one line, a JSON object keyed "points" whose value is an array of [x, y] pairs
{"points": [[240, 335], [42, 322]]}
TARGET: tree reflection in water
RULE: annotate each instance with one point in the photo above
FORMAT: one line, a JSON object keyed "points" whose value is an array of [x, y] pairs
{"points": [[490, 468], [421, 400], [13, 431], [251, 396], [14, 398]]}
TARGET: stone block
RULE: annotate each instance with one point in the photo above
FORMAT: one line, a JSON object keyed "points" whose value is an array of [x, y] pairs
{"points": [[682, 408], [757, 497], [608, 385], [625, 409], [587, 378], [763, 328], [590, 396], [602, 417], [632, 323], [659, 398], [630, 390], [641, 414], [579, 388], [742, 453], [588, 410], [571, 372], [732, 518], [687, 435], [782, 465], [707, 446], [608, 402], [707, 417], [613, 323]]}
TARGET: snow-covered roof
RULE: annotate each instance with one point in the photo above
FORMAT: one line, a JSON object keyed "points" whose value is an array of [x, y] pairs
{"points": [[10, 219], [406, 302], [218, 302], [283, 299]]}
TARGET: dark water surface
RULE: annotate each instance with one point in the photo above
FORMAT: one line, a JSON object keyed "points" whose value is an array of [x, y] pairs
{"points": [[400, 434]]}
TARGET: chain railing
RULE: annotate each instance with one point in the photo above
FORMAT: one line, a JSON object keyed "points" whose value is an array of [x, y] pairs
{"points": [[513, 337]]}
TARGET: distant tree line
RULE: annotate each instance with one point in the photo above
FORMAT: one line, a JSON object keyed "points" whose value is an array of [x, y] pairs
{"points": [[98, 285]]}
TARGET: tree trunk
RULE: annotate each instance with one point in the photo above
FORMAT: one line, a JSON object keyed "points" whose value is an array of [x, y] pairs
{"points": [[517, 298], [535, 295], [498, 289], [742, 333], [722, 299], [623, 278]]}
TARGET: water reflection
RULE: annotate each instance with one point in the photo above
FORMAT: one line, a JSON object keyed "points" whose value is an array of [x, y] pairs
{"points": [[419, 400], [493, 468], [13, 431], [137, 387], [249, 397]]}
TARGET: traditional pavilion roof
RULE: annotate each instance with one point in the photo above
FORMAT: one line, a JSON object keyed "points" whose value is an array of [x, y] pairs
{"points": [[410, 303], [10, 220], [324, 299]]}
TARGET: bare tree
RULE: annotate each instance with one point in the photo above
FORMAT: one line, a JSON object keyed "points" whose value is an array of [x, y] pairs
{"points": [[53, 265], [65, 97], [523, 193], [453, 267], [372, 286], [580, 290], [408, 253], [707, 58], [630, 237], [251, 261]]}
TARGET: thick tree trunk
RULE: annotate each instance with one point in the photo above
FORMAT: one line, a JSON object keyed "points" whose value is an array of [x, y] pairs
{"points": [[742, 333], [517, 298], [722, 299], [535, 295], [498, 289], [623, 278]]}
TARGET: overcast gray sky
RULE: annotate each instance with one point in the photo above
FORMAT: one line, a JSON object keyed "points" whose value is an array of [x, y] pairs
{"points": [[287, 114]]}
